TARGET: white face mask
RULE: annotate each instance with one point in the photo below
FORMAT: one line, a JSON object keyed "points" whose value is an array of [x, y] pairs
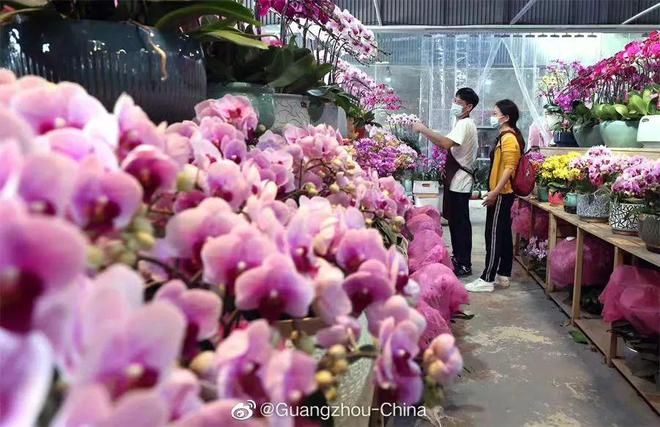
{"points": [[456, 110], [494, 122]]}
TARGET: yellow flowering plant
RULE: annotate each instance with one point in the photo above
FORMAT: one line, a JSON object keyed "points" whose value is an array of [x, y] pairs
{"points": [[556, 171]]}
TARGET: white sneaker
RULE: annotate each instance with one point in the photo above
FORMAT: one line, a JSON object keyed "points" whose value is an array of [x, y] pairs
{"points": [[480, 285], [502, 281]]}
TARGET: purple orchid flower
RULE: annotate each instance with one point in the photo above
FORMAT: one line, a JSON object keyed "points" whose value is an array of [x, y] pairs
{"points": [[358, 246], [229, 256], [369, 285], [235, 110], [104, 200], [331, 301], [289, 376], [182, 392], [11, 164], [27, 370], [226, 181], [135, 127], [155, 171], [201, 308], [187, 232], [47, 182], [78, 146], [275, 288], [15, 129], [395, 307], [239, 359], [221, 413], [443, 359], [93, 405], [30, 269], [345, 332], [397, 374]]}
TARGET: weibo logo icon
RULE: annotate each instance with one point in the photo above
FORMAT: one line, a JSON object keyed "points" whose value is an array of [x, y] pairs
{"points": [[243, 410]]}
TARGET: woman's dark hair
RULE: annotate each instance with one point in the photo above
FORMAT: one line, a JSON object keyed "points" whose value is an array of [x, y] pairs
{"points": [[509, 108]]}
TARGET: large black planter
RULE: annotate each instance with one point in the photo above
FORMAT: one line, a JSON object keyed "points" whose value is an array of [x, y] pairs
{"points": [[110, 58], [565, 139]]}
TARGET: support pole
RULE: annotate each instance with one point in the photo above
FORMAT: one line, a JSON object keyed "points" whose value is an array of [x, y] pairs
{"points": [[523, 11], [642, 13], [379, 18]]}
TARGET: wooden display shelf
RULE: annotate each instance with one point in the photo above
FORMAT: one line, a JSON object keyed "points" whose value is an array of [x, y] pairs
{"points": [[560, 298], [645, 388], [597, 331], [650, 153]]}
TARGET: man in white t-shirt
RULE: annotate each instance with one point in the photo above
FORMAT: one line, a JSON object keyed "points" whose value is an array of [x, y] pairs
{"points": [[462, 146]]}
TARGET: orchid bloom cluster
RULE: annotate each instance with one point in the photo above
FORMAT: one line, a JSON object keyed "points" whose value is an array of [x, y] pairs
{"points": [[431, 168], [127, 249], [610, 80], [536, 158], [640, 180], [558, 75], [314, 10], [371, 95], [383, 153], [537, 249], [351, 36], [401, 126], [600, 167]]}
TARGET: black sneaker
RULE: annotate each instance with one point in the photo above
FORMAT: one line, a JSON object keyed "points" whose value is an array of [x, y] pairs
{"points": [[462, 271]]}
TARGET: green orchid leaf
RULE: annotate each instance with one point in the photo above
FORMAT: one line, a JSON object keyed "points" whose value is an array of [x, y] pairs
{"points": [[235, 36], [637, 104], [296, 71], [226, 8]]}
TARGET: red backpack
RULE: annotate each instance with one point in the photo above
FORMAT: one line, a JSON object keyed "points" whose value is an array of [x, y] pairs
{"points": [[522, 183]]}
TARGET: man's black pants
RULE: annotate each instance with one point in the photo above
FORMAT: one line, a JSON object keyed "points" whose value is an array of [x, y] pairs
{"points": [[460, 227]]}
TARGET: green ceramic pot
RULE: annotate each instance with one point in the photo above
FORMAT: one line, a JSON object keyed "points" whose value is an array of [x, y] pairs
{"points": [[542, 193], [649, 231], [261, 97], [163, 71], [620, 134], [570, 203], [587, 136]]}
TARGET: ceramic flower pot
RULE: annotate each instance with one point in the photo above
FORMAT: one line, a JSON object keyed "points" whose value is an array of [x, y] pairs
{"points": [[620, 134], [565, 139], [649, 231], [301, 111], [593, 207], [570, 203], [261, 98], [624, 217], [163, 71], [542, 193], [555, 197], [587, 136]]}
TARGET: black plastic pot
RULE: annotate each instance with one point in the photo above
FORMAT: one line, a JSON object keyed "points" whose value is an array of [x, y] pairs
{"points": [[163, 71], [565, 139]]}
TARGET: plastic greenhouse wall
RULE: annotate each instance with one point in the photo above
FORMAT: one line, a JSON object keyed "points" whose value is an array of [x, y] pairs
{"points": [[427, 69]]}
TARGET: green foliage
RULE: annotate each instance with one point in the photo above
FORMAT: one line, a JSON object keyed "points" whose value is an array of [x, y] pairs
{"points": [[639, 104]]}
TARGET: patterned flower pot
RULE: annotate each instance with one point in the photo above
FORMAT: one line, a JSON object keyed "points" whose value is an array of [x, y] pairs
{"points": [[570, 203], [620, 134], [163, 71], [593, 207], [649, 231], [624, 217], [587, 136], [542, 193], [555, 197]]}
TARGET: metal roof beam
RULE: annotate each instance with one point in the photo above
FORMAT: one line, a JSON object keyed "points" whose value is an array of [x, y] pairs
{"points": [[642, 13], [379, 18], [523, 11]]}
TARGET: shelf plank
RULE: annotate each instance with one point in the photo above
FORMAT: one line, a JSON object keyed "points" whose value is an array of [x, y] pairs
{"points": [[596, 331], [646, 388], [560, 298], [650, 153]]}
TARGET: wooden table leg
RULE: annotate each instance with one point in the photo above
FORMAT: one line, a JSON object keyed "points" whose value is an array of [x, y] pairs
{"points": [[612, 350], [552, 242], [577, 278]]}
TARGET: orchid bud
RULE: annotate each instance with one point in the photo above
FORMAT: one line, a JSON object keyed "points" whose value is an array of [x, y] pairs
{"points": [[145, 240], [334, 188], [325, 379]]}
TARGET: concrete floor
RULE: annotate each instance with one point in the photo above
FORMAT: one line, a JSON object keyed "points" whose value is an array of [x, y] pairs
{"points": [[523, 369]]}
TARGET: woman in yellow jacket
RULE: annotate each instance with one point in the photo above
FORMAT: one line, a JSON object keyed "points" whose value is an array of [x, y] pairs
{"points": [[504, 157]]}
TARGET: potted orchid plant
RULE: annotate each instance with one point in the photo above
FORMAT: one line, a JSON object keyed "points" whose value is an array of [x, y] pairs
{"points": [[628, 194], [149, 49], [191, 260]]}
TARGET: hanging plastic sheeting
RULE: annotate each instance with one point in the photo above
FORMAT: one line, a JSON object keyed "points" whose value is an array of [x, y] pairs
{"points": [[596, 265], [633, 294]]}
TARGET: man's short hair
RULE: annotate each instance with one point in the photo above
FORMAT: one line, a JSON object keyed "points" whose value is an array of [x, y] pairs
{"points": [[469, 96]]}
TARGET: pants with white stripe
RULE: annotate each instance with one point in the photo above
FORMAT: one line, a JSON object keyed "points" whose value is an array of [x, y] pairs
{"points": [[499, 238]]}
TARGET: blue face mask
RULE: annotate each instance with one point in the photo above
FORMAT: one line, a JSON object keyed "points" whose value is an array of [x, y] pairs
{"points": [[456, 109], [494, 122]]}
